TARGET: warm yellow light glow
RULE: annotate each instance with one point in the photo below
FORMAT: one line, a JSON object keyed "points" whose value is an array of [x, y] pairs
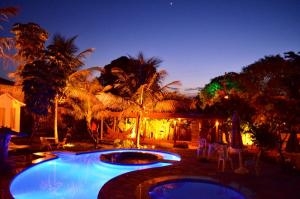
{"points": [[217, 123], [224, 140], [38, 160], [128, 124], [226, 97], [69, 145], [246, 138], [162, 129]]}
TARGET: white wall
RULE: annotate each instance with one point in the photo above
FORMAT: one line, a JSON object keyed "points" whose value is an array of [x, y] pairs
{"points": [[11, 107]]}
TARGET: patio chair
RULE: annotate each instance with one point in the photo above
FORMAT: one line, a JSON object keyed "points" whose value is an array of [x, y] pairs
{"points": [[62, 144], [223, 158], [202, 147]]}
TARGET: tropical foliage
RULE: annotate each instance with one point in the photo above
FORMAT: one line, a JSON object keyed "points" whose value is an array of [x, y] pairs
{"points": [[43, 71], [265, 92], [6, 43], [140, 84]]}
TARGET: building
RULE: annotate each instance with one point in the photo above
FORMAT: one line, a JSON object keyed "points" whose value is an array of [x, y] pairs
{"points": [[11, 98]]}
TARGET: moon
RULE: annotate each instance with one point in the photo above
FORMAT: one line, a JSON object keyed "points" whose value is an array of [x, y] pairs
{"points": [[171, 3]]}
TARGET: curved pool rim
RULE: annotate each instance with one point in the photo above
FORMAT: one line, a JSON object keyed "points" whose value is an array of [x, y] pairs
{"points": [[143, 190], [57, 153], [159, 158]]}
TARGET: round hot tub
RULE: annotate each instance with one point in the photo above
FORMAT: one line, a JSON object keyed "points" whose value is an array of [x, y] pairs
{"points": [[192, 189], [130, 158]]}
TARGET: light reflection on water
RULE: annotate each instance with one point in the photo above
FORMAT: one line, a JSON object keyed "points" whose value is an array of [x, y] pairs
{"points": [[73, 176]]}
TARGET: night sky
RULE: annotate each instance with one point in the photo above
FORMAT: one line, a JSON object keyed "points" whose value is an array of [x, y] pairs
{"points": [[197, 40]]}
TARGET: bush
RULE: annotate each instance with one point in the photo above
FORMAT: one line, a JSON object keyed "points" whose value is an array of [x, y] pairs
{"points": [[263, 138], [123, 143]]}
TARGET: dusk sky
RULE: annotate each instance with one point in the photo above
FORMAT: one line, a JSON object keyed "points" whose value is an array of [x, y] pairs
{"points": [[197, 40]]}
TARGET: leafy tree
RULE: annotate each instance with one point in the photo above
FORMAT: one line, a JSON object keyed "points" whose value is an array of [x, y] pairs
{"points": [[272, 85], [34, 71], [219, 88], [265, 76], [6, 43], [30, 42], [46, 70], [263, 138]]}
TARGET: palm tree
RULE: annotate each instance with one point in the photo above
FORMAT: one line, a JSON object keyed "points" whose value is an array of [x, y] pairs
{"points": [[63, 55], [87, 99], [147, 95], [49, 66], [136, 72]]}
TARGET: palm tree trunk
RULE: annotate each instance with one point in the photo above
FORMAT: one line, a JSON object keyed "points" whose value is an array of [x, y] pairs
{"points": [[35, 126], [138, 131], [115, 124], [101, 130], [55, 119]]}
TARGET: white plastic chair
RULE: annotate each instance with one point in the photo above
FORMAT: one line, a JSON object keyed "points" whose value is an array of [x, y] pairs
{"points": [[224, 157], [202, 147]]}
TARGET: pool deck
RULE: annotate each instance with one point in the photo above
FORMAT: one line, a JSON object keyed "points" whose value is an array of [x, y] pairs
{"points": [[271, 183]]}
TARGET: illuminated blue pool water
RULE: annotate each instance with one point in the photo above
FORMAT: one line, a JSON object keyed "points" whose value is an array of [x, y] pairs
{"points": [[74, 176], [193, 189]]}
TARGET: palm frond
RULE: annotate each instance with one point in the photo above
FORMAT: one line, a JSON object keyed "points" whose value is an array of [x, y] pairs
{"points": [[171, 85], [7, 12], [83, 55]]}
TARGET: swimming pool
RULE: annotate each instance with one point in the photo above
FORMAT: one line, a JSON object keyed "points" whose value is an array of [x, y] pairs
{"points": [[192, 189], [76, 175]]}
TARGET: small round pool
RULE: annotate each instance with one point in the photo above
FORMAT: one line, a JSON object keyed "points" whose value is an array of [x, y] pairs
{"points": [[130, 158], [192, 189]]}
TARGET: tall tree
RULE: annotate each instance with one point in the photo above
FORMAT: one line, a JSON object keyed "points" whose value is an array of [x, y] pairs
{"points": [[30, 41], [6, 43], [137, 71], [86, 98], [45, 70], [34, 71], [146, 96], [219, 88], [64, 59], [273, 87]]}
